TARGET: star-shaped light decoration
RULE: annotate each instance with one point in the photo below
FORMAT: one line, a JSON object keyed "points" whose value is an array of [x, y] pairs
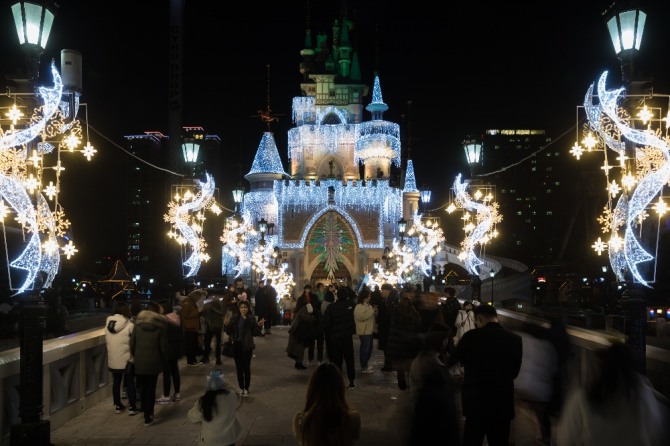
{"points": [[35, 158], [51, 190], [628, 181], [14, 114], [645, 115], [660, 207], [577, 150], [71, 142], [89, 151], [613, 189], [50, 246], [69, 250], [32, 184], [599, 246], [590, 141]]}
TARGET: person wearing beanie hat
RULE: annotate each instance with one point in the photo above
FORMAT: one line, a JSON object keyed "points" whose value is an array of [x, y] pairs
{"points": [[216, 411]]}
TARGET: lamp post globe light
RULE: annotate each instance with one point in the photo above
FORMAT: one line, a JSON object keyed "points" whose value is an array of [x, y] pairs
{"points": [[626, 27], [473, 154], [493, 276], [622, 120], [33, 21], [424, 194], [238, 194], [402, 228]]}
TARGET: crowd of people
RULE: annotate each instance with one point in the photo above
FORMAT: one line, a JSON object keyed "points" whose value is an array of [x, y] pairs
{"points": [[458, 363]]}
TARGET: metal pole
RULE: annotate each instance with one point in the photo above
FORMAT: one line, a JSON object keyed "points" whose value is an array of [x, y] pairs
{"points": [[634, 309], [32, 430]]}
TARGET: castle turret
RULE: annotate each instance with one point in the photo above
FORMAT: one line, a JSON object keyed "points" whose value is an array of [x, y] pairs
{"points": [[378, 145], [410, 194]]}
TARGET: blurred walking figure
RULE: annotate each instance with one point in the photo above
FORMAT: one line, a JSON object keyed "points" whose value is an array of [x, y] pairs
{"points": [[535, 385], [491, 356], [190, 321], [433, 394], [404, 339], [326, 419], [617, 405], [213, 311], [216, 411], [389, 300]]}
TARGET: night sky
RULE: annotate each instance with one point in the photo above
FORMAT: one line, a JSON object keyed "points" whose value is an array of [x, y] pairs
{"points": [[464, 67]]}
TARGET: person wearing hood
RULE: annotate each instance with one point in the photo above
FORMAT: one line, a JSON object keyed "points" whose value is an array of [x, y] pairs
{"points": [[149, 347], [119, 329]]}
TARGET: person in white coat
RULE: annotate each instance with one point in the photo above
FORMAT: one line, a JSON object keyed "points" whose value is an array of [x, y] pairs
{"points": [[118, 330], [364, 316], [465, 320], [216, 411], [534, 386]]}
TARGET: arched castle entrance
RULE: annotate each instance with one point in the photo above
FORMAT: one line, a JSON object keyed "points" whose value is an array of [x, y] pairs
{"points": [[331, 250]]}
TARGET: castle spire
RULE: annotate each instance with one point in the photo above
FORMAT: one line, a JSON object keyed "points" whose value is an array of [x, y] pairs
{"points": [[377, 107]]}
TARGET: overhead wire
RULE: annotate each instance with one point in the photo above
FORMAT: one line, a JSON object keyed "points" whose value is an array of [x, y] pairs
{"points": [[529, 156]]}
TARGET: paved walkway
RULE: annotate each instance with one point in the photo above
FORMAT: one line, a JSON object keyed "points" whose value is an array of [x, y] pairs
{"points": [[277, 392]]}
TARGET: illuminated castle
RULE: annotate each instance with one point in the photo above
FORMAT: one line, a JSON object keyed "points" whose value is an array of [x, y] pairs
{"points": [[337, 208]]}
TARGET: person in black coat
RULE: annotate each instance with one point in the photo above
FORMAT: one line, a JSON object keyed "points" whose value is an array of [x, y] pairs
{"points": [[171, 374], [385, 306], [491, 356], [241, 329], [340, 327]]}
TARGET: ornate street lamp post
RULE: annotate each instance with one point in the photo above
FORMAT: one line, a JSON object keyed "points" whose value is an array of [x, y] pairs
{"points": [[238, 194], [33, 22], [402, 228], [190, 147], [626, 27], [424, 194], [473, 153], [263, 229], [493, 276]]}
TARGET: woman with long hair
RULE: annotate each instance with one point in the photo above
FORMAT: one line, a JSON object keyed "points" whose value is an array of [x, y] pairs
{"points": [[241, 329], [216, 411], [327, 419]]}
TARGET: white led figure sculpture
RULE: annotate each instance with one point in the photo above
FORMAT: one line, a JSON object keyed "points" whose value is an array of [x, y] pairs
{"points": [[182, 214], [24, 172], [478, 233], [236, 250], [412, 259], [630, 210]]}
